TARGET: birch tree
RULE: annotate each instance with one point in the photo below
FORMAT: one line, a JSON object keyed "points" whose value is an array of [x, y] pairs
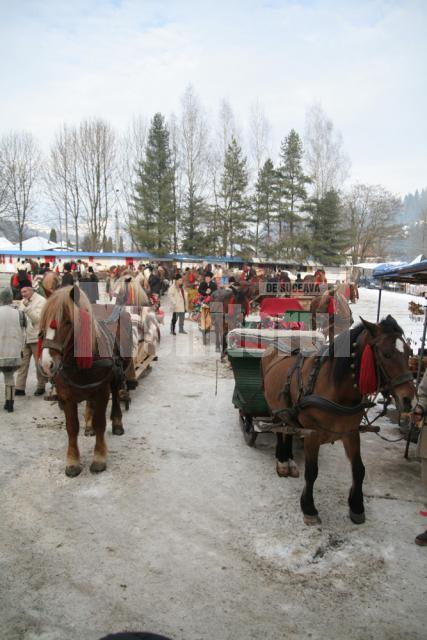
{"points": [[21, 165], [193, 150], [97, 176], [62, 181], [328, 165], [131, 153]]}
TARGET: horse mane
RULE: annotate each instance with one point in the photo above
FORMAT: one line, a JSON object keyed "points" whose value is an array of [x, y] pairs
{"points": [[60, 306], [343, 347], [50, 281], [140, 298]]}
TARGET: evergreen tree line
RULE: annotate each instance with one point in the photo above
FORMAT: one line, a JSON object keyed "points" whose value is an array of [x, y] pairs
{"points": [[280, 219], [184, 184], [286, 212]]}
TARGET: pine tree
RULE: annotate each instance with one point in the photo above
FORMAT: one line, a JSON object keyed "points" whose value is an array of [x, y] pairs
{"points": [[328, 235], [52, 236], [234, 181], [292, 184], [121, 245], [265, 205], [191, 221], [152, 226]]}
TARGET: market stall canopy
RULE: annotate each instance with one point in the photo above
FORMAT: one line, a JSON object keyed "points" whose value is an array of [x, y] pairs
{"points": [[414, 272], [371, 266]]}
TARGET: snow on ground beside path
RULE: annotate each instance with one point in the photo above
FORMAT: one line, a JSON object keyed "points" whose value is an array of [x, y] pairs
{"points": [[395, 304], [191, 533]]}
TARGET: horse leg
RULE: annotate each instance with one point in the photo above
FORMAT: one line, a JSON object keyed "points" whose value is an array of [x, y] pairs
{"points": [[116, 411], [311, 450], [282, 457], [73, 467], [285, 465], [224, 332], [351, 444], [89, 430], [99, 462]]}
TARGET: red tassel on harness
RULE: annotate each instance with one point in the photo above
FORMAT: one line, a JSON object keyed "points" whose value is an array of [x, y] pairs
{"points": [[368, 382], [84, 355], [331, 305], [39, 348]]}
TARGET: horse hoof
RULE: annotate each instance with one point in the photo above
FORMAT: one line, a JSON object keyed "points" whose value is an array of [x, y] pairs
{"points": [[357, 518], [282, 469], [73, 470], [89, 431], [312, 520], [293, 469], [97, 467], [118, 431]]}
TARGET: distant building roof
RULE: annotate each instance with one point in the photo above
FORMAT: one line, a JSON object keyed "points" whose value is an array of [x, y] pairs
{"points": [[6, 244]]}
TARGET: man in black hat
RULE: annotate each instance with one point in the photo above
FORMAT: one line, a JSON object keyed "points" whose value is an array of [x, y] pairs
{"points": [[208, 286], [67, 276]]}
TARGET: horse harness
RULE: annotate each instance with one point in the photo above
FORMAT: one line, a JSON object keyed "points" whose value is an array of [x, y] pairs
{"points": [[307, 399], [112, 361]]}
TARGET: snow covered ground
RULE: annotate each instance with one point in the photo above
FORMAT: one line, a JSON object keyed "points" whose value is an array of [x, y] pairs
{"points": [[191, 533], [395, 304]]}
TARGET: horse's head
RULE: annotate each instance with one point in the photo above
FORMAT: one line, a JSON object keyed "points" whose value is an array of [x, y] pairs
{"points": [[67, 331], [391, 354], [50, 283]]}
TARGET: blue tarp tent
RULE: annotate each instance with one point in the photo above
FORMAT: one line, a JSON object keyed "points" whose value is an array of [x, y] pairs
{"points": [[387, 268], [410, 272]]}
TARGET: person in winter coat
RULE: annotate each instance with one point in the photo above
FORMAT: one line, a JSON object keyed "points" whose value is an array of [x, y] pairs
{"points": [[89, 284], [12, 324], [208, 286], [67, 276], [19, 280], [154, 282], [419, 416], [32, 306], [179, 300]]}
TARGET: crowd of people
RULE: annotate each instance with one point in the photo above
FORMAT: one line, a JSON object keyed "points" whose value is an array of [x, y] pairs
{"points": [[22, 303]]}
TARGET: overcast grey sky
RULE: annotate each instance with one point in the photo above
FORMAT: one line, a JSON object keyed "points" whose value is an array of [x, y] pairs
{"points": [[364, 61]]}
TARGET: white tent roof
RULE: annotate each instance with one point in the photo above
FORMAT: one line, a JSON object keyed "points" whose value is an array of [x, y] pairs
{"points": [[37, 243], [7, 244]]}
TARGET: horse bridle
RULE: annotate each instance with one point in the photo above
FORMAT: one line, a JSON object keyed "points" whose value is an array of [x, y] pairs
{"points": [[385, 383], [54, 345], [307, 399]]}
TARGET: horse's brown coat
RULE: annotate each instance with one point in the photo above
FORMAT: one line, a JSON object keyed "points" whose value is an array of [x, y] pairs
{"points": [[325, 425]]}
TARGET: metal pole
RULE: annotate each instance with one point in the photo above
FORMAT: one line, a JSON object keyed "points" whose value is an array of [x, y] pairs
{"points": [[379, 303]]}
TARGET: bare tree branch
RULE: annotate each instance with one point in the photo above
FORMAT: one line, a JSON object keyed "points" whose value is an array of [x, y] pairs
{"points": [[21, 162]]}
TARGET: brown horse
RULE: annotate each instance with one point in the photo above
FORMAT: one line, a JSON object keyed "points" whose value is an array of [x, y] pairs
{"points": [[327, 397], [331, 313], [49, 283], [82, 359], [129, 292]]}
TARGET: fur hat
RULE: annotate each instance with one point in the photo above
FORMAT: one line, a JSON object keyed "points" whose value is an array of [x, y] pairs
{"points": [[25, 284], [6, 296]]}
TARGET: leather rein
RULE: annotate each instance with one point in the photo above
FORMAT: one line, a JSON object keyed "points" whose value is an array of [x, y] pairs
{"points": [[63, 369], [307, 399]]}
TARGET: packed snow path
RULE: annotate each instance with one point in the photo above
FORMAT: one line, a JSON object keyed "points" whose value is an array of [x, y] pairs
{"points": [[191, 533]]}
